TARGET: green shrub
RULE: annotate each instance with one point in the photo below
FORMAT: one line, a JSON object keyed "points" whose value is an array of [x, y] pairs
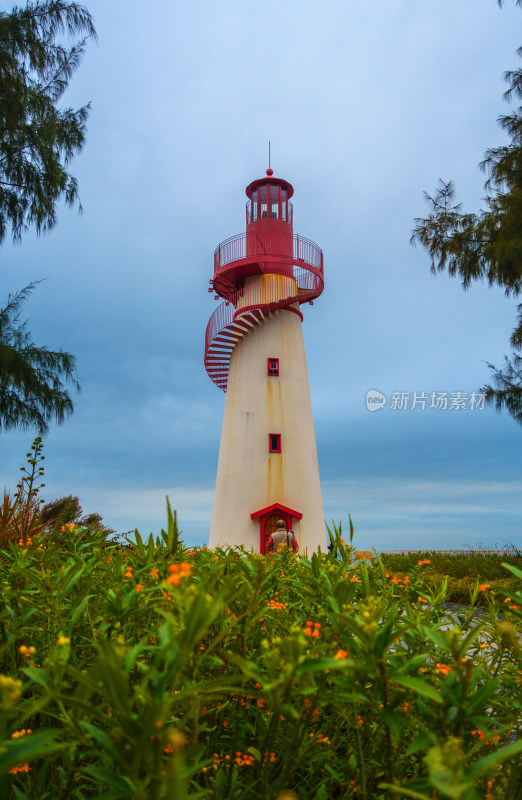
{"points": [[481, 567], [162, 672]]}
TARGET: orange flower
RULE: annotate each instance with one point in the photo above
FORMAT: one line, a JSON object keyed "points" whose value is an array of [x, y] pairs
{"points": [[244, 760], [22, 732], [360, 720], [443, 669], [312, 629], [20, 768], [139, 587], [323, 739], [276, 605], [483, 586], [340, 655], [178, 572], [155, 572]]}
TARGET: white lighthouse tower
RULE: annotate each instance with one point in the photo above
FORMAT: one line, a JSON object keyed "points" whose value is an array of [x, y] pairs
{"points": [[254, 351]]}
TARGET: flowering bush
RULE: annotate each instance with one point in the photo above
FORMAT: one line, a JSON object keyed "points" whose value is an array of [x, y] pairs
{"points": [[162, 672], [463, 575]]}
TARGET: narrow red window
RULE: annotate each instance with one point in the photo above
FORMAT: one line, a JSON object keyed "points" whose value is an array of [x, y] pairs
{"points": [[273, 366], [274, 442]]}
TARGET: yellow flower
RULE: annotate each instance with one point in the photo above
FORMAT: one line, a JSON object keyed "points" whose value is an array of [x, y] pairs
{"points": [[11, 687], [62, 641], [27, 651]]}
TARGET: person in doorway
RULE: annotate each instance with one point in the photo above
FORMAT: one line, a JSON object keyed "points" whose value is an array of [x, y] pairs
{"points": [[282, 538]]}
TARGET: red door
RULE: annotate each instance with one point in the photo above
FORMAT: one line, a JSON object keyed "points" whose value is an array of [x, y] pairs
{"points": [[268, 526]]}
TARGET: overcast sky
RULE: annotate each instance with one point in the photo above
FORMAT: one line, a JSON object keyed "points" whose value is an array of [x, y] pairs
{"points": [[366, 105]]}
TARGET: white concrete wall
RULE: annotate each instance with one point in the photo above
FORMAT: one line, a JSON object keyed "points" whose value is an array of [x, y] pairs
{"points": [[249, 477]]}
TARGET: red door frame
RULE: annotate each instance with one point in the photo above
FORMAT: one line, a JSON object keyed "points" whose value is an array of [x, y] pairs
{"points": [[276, 508]]}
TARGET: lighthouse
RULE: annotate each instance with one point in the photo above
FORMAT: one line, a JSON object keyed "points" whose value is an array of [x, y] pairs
{"points": [[254, 351]]}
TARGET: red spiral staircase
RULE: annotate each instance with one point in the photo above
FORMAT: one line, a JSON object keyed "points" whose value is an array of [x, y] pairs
{"points": [[268, 246]]}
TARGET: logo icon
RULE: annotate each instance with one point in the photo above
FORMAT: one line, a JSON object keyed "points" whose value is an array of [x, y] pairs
{"points": [[375, 400]]}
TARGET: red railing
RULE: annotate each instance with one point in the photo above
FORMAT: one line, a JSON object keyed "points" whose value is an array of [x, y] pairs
{"points": [[309, 285], [274, 244], [308, 282], [223, 329], [220, 319]]}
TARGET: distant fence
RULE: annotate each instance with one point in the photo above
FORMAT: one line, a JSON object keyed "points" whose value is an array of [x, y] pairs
{"points": [[367, 555]]}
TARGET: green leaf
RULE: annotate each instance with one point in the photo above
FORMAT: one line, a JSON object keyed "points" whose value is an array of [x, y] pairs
{"points": [[480, 696], [436, 637], [39, 676], [414, 663], [421, 742], [514, 570], [102, 738], [418, 686], [471, 636], [384, 635], [335, 775], [78, 611], [402, 790], [123, 786], [485, 764], [393, 721], [28, 748], [333, 604], [74, 580], [139, 543]]}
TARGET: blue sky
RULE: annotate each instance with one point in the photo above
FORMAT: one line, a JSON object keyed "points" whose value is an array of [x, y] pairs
{"points": [[366, 106]]}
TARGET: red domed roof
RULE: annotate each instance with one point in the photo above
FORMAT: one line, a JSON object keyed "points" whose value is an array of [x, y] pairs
{"points": [[269, 179]]}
